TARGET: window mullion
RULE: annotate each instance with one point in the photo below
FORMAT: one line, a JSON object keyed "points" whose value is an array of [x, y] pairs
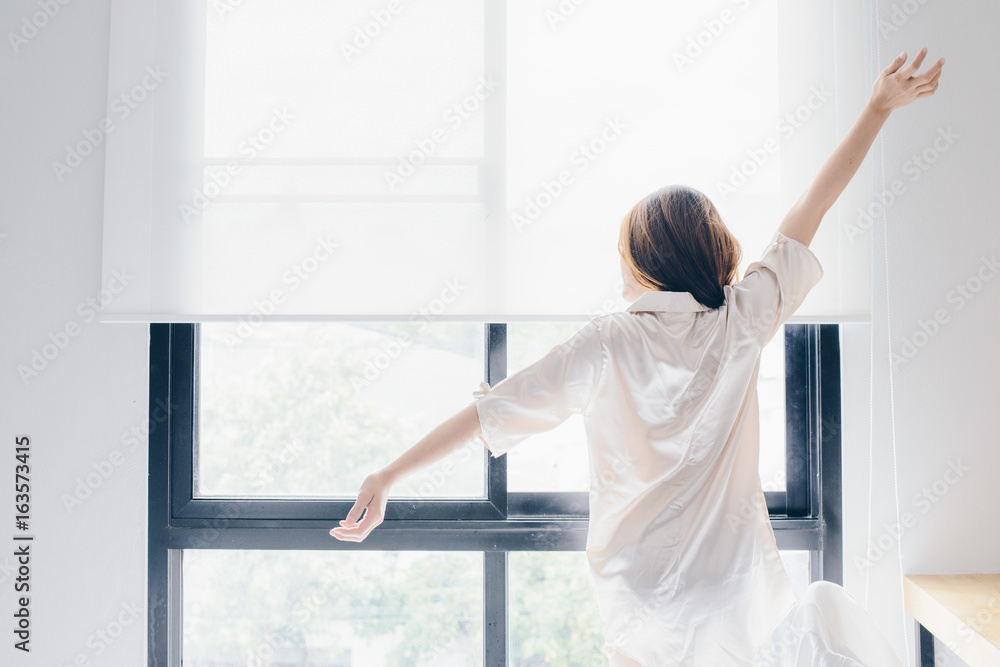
{"points": [[495, 616], [495, 371], [797, 420], [830, 461]]}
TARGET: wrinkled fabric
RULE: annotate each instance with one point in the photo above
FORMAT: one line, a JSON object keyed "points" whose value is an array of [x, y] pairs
{"points": [[827, 628], [680, 547]]}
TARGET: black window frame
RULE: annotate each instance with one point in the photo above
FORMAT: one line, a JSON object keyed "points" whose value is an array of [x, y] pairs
{"points": [[807, 516]]}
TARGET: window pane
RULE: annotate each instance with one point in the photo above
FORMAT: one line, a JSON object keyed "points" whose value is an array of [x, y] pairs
{"points": [[771, 402], [332, 608], [556, 460], [309, 409], [358, 80], [553, 616]]}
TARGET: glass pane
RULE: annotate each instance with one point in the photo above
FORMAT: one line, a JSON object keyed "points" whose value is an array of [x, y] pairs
{"points": [[332, 608], [309, 409], [556, 460], [797, 566], [771, 401], [357, 79], [553, 616]]}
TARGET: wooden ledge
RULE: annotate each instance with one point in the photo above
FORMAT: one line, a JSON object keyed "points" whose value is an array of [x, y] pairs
{"points": [[962, 610]]}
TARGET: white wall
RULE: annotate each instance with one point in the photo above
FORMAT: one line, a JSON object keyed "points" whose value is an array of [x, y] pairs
{"points": [[88, 564], [947, 394]]}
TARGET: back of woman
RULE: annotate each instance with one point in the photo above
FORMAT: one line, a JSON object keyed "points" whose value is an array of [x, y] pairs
{"points": [[680, 546]]}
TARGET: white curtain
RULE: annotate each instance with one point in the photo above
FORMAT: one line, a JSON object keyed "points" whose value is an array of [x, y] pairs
{"points": [[471, 160]]}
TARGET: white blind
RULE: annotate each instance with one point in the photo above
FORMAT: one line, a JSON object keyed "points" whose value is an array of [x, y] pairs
{"points": [[469, 159]]}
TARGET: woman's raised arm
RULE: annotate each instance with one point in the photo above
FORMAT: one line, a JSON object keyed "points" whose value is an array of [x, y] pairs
{"points": [[895, 87]]}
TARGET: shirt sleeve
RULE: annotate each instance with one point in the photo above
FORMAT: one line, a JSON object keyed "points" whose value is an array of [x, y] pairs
{"points": [[543, 395], [776, 285]]}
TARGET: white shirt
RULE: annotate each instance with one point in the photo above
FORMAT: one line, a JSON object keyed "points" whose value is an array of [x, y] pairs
{"points": [[680, 545]]}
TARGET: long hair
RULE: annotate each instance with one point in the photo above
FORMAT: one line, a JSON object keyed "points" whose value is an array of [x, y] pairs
{"points": [[674, 240]]}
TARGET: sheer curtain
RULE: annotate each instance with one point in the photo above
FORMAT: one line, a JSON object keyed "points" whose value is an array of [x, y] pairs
{"points": [[470, 160]]}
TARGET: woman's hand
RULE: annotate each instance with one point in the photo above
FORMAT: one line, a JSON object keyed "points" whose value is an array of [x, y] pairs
{"points": [[897, 85], [445, 438], [372, 498]]}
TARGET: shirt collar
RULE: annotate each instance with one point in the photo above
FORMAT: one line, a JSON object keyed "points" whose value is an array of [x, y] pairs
{"points": [[658, 300]]}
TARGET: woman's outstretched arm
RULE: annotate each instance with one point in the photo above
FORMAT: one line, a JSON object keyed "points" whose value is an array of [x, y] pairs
{"points": [[895, 87], [447, 437]]}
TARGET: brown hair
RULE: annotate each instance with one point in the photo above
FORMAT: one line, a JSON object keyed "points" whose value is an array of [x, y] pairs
{"points": [[674, 240]]}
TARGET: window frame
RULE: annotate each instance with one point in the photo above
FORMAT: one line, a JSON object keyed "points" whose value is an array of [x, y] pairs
{"points": [[807, 516]]}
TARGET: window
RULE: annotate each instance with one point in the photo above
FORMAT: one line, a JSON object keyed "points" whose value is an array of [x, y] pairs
{"points": [[481, 560], [287, 133]]}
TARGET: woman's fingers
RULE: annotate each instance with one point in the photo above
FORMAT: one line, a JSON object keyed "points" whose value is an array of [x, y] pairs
{"points": [[933, 83], [345, 537], [359, 532], [371, 501], [932, 73], [895, 64], [359, 506], [898, 85], [349, 533], [915, 63]]}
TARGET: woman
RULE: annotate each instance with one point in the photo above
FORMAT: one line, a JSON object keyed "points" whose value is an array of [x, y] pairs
{"points": [[684, 574]]}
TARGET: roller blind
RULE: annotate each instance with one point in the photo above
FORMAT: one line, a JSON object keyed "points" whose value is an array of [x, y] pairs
{"points": [[471, 160]]}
